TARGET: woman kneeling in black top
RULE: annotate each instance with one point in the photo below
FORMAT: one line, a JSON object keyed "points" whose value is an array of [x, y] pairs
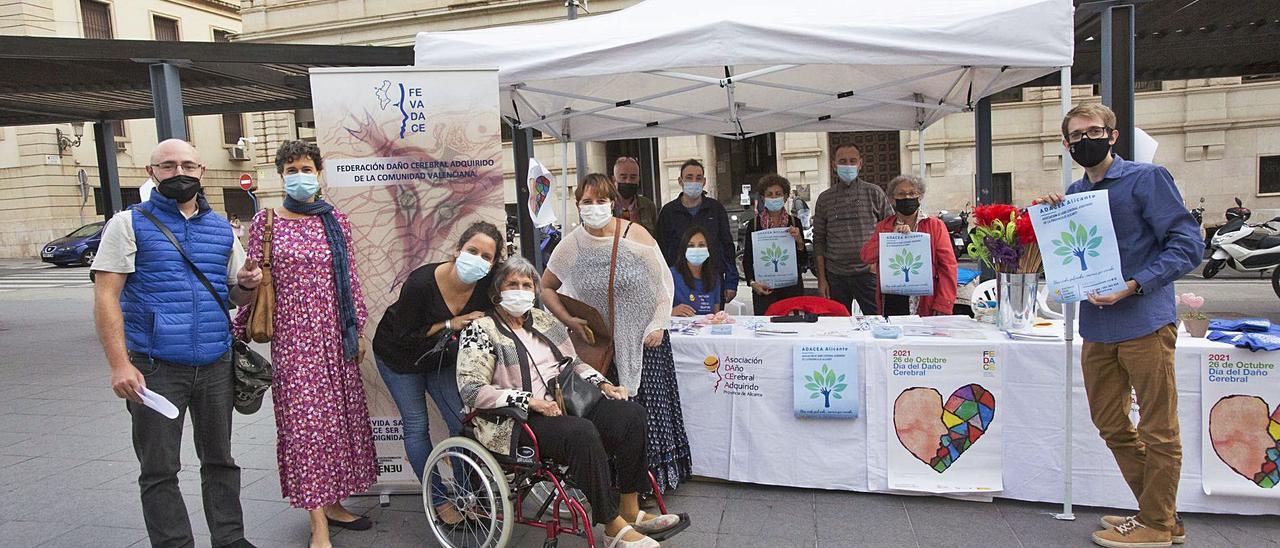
{"points": [[416, 343]]}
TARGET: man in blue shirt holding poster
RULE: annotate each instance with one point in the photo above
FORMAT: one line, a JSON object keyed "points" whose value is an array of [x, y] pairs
{"points": [[1129, 336]]}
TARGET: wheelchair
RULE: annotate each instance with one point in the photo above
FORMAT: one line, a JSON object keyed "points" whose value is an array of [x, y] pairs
{"points": [[496, 492]]}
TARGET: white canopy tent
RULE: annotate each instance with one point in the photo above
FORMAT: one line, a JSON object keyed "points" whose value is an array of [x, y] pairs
{"points": [[739, 68]]}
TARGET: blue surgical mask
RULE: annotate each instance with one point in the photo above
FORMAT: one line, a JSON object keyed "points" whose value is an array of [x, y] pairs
{"points": [[471, 268], [697, 255], [301, 186], [847, 174], [774, 204], [693, 190]]}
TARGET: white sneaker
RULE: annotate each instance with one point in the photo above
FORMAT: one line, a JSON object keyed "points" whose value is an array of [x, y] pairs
{"points": [[648, 524]]}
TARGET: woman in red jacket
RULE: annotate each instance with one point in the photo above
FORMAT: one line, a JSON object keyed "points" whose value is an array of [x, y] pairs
{"points": [[906, 191]]}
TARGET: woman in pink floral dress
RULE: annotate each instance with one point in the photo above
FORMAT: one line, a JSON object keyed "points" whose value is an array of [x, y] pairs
{"points": [[324, 441]]}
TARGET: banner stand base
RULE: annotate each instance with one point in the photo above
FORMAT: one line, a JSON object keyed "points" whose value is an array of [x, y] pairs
{"points": [[384, 500], [1064, 517]]}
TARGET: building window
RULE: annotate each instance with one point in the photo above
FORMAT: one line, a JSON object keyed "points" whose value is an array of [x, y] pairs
{"points": [[1269, 175], [129, 196], [232, 128], [1011, 95], [97, 19], [1000, 191], [507, 135], [118, 127], [166, 29], [220, 35]]}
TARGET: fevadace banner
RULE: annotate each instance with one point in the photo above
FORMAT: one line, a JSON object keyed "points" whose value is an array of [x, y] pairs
{"points": [[413, 157], [1240, 422], [945, 432]]}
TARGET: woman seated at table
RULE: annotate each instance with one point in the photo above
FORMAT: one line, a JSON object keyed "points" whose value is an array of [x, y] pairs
{"points": [[697, 262], [489, 376], [906, 192], [773, 190]]}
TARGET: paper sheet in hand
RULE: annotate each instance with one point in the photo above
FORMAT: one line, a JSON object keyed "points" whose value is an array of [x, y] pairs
{"points": [[775, 257], [161, 404], [1078, 242], [906, 264]]}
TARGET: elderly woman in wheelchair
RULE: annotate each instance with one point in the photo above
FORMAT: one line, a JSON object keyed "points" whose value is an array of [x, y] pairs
{"points": [[512, 376]]}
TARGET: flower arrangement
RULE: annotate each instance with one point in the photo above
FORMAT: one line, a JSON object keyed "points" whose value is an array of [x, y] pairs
{"points": [[1004, 239], [1193, 302]]}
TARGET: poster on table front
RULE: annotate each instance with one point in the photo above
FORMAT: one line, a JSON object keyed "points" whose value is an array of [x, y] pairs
{"points": [[1240, 422], [906, 264], [1078, 243], [945, 432], [825, 381], [412, 157], [775, 257]]}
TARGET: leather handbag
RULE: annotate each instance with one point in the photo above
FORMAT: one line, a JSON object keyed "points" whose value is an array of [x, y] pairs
{"points": [[575, 396], [251, 371], [261, 325], [595, 345]]}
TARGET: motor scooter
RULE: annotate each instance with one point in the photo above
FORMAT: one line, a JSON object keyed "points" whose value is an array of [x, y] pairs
{"points": [[958, 228], [1245, 247]]}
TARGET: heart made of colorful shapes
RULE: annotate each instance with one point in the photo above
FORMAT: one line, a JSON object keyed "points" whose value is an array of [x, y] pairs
{"points": [[1245, 433], [938, 433]]}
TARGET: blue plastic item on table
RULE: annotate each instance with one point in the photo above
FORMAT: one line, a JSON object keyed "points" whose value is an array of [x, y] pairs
{"points": [[886, 331], [966, 275], [1248, 325], [1253, 341]]}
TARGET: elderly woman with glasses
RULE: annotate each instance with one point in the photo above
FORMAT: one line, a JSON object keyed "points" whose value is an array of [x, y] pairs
{"points": [[906, 193], [492, 355]]}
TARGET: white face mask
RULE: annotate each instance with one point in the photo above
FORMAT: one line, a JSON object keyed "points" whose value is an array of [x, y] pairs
{"points": [[596, 216], [517, 302]]}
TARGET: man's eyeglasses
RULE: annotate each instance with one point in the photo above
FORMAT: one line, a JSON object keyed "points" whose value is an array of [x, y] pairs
{"points": [[1094, 132], [170, 167]]}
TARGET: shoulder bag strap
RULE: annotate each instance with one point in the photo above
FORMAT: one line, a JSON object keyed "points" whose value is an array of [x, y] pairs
{"points": [[194, 269], [266, 238], [522, 353], [613, 269]]}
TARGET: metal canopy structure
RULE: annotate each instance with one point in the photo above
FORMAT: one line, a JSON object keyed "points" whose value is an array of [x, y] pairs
{"points": [[1182, 39], [55, 80]]}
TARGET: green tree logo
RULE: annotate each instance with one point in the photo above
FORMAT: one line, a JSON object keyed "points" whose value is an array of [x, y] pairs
{"points": [[906, 263], [776, 256], [1078, 242], [825, 383]]}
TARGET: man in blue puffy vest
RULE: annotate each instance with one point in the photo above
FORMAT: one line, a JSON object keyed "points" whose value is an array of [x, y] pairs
{"points": [[163, 331]]}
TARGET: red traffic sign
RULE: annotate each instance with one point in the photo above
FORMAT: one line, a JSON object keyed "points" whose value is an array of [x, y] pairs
{"points": [[246, 182]]}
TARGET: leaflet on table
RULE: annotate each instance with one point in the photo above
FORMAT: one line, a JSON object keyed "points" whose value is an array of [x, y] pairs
{"points": [[1078, 242], [906, 264], [825, 378], [945, 436], [775, 257], [1240, 423]]}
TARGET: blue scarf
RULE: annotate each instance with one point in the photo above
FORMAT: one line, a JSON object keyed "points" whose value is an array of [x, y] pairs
{"points": [[341, 269]]}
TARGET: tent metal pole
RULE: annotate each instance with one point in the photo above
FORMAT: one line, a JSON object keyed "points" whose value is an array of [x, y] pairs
{"points": [[920, 152], [579, 147], [1068, 332], [564, 193]]}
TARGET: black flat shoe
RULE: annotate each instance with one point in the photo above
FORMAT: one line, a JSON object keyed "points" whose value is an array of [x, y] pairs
{"points": [[362, 523]]}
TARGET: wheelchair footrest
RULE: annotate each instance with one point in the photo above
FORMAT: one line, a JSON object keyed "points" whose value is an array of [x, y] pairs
{"points": [[684, 523]]}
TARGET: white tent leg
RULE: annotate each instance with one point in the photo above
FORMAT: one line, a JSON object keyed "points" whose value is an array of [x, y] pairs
{"points": [[1068, 331], [564, 193], [920, 152]]}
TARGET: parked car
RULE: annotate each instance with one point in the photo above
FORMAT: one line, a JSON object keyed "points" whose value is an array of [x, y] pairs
{"points": [[78, 247]]}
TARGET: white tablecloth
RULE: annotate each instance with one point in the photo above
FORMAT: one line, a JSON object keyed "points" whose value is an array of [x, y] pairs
{"points": [[745, 430]]}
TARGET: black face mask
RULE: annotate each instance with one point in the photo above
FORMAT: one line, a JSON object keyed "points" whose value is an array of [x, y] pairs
{"points": [[180, 188], [1090, 152], [628, 190], [906, 206]]}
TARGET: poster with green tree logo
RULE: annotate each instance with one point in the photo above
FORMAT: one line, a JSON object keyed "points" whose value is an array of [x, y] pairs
{"points": [[775, 257], [826, 381], [906, 264], [1078, 242]]}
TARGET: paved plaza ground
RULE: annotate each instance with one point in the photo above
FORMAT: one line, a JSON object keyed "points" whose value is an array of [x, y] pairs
{"points": [[68, 476]]}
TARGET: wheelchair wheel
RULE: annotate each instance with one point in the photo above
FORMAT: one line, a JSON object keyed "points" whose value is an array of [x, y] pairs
{"points": [[475, 483]]}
